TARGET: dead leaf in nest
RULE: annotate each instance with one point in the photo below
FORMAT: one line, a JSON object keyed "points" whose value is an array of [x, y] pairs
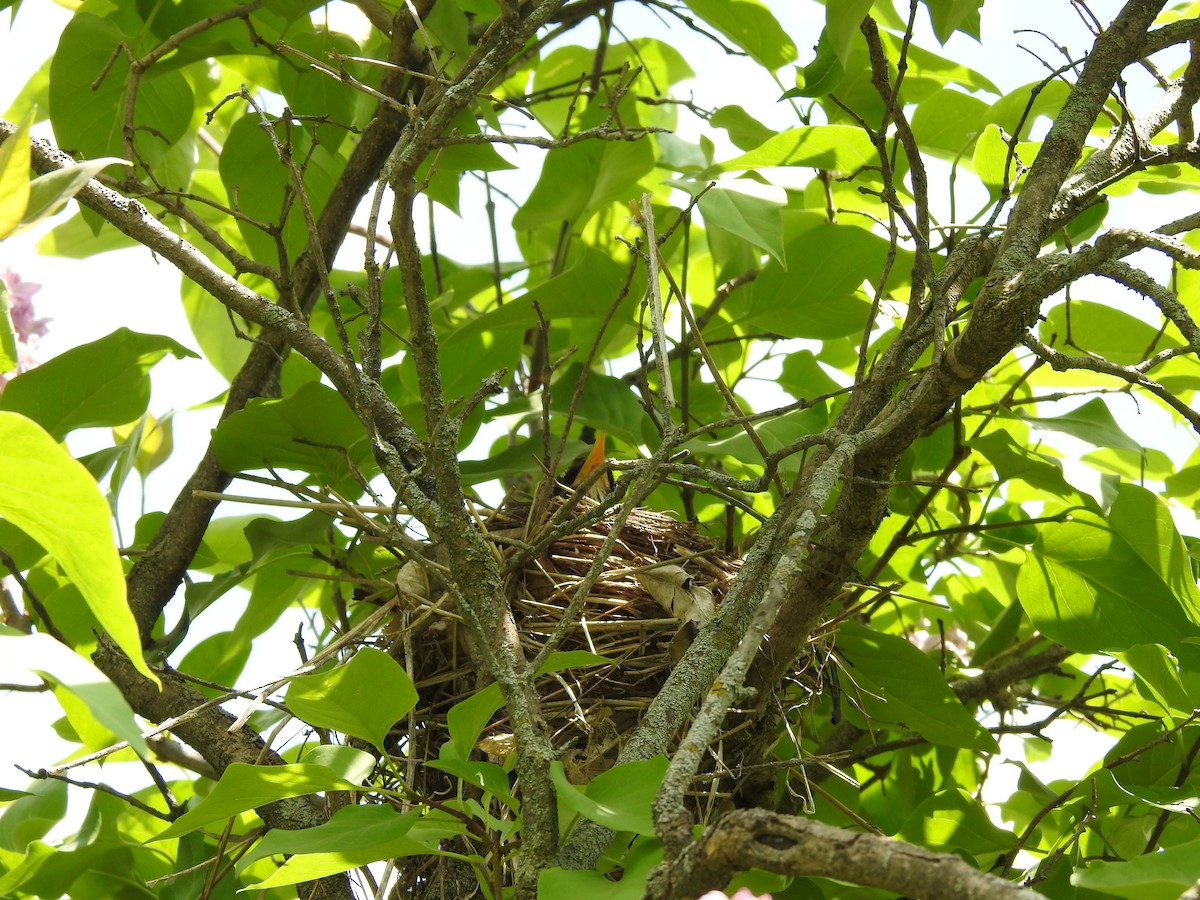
{"points": [[412, 581], [678, 593]]}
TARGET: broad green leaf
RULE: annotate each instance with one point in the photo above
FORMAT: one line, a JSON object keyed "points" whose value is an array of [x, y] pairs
{"points": [[841, 148], [313, 93], [1092, 422], [586, 290], [1163, 875], [484, 775], [312, 430], [751, 26], [745, 132], [619, 798], [1085, 586], [90, 120], [53, 499], [638, 862], [820, 294], [757, 220], [949, 16], [947, 122], [42, 654], [467, 718], [1022, 107], [1158, 676], [31, 817], [954, 821], [364, 697], [842, 22], [1103, 330], [103, 383], [902, 687], [74, 239], [991, 160], [607, 403], [1014, 461], [357, 834], [257, 183], [1145, 523], [347, 762], [823, 75], [14, 180], [244, 787], [580, 179], [48, 193]]}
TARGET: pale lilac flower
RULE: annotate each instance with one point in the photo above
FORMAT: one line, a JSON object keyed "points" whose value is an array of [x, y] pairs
{"points": [[20, 306], [739, 894]]}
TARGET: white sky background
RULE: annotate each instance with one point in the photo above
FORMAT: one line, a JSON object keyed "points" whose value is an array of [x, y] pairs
{"points": [[89, 298]]}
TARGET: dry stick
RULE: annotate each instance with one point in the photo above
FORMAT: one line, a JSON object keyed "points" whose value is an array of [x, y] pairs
{"points": [[730, 400], [657, 319]]}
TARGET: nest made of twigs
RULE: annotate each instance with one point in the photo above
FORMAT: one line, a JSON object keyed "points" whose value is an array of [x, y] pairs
{"points": [[624, 617]]}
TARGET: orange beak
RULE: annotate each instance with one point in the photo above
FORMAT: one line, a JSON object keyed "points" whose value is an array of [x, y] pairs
{"points": [[594, 458]]}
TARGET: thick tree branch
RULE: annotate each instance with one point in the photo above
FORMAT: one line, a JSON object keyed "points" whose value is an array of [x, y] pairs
{"points": [[789, 845]]}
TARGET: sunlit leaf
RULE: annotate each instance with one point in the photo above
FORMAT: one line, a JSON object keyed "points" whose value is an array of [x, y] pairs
{"points": [[364, 697], [53, 499]]}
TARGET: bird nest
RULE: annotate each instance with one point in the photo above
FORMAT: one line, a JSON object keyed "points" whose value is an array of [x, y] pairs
{"points": [[658, 583]]}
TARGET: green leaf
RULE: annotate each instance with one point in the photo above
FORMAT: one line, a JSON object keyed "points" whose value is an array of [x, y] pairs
{"points": [[243, 787], [949, 16], [484, 775], [355, 836], [1093, 422], [48, 193], [53, 499], [991, 160], [257, 183], [312, 430], [103, 383], [42, 654], [637, 864], [901, 686], [578, 180], [1145, 523], [745, 132], [9, 354], [751, 26], [1013, 461], [364, 697], [607, 402], [842, 21], [758, 221], [619, 798], [90, 120], [946, 122], [819, 295], [467, 718], [1156, 876], [31, 817], [1158, 677], [1084, 585], [1096, 328], [953, 822], [841, 148], [14, 180]]}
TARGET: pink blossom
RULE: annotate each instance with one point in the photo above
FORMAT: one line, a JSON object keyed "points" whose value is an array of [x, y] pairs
{"points": [[20, 306], [739, 894]]}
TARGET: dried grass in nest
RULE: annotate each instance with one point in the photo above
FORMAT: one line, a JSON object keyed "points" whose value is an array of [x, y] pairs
{"points": [[589, 709]]}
